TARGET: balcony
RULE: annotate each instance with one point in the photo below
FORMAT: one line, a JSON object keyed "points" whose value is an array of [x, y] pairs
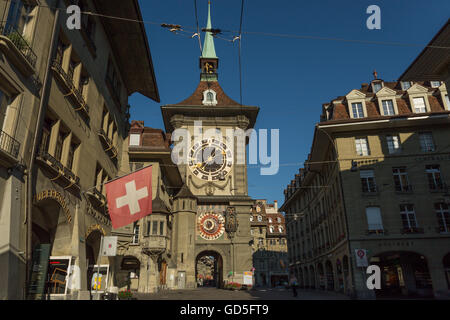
{"points": [[404, 189], [97, 199], [376, 232], [413, 230], [73, 93], [438, 187], [372, 191], [17, 49], [154, 245], [9, 150], [107, 144], [62, 175]]}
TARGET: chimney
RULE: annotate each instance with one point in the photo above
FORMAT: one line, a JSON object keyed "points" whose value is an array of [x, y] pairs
{"points": [[275, 204]]}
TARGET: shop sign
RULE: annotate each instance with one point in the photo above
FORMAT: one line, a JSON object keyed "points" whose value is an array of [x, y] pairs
{"points": [[54, 195], [109, 248], [361, 258]]}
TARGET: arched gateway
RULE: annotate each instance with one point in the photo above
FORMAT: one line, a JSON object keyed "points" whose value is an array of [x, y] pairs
{"points": [[209, 269]]}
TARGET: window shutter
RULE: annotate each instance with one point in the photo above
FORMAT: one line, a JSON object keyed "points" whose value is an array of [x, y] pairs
{"points": [[366, 173], [374, 218]]}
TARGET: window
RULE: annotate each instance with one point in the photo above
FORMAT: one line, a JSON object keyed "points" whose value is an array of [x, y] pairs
{"points": [[426, 142], [251, 219], [135, 139], [59, 146], [259, 218], [388, 107], [377, 87], [209, 98], [271, 229], [270, 220], [113, 78], [357, 110], [161, 228], [408, 216], [401, 179], [46, 132], [18, 16], [280, 229], [251, 231], [279, 220], [434, 177], [368, 181], [155, 228], [419, 105], [435, 84], [362, 147], [448, 101], [393, 143], [70, 158], [406, 85], [374, 221], [135, 233], [443, 216]]}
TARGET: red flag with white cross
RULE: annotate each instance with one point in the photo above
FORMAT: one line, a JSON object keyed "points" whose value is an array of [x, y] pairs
{"points": [[130, 197]]}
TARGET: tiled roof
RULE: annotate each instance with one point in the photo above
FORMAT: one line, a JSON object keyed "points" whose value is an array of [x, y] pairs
{"points": [[197, 97]]}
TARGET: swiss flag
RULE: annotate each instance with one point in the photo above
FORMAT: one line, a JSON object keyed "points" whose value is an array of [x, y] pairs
{"points": [[130, 197]]}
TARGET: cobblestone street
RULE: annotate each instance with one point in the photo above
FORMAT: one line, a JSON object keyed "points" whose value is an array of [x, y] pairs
{"points": [[257, 294]]}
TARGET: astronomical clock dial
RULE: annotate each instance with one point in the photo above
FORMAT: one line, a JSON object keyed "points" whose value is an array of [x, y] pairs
{"points": [[211, 226], [210, 160]]}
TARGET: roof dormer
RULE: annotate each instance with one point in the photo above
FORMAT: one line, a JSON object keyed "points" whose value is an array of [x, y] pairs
{"points": [[387, 101], [356, 104], [418, 99]]}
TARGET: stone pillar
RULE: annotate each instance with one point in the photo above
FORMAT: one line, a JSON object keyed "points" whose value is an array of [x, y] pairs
{"points": [[437, 273]]}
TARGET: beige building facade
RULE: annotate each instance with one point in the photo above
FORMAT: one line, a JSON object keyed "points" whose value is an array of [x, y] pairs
{"points": [[269, 245], [375, 186], [64, 121]]}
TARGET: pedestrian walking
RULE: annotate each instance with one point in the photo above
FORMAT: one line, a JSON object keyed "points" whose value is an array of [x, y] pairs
{"points": [[293, 283]]}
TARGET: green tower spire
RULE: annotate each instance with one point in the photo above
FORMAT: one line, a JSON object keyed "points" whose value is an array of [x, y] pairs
{"points": [[208, 47]]}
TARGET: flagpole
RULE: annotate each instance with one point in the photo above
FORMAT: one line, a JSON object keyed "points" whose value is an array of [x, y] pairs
{"points": [[98, 265]]}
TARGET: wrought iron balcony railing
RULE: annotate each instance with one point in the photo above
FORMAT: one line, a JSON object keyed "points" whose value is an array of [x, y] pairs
{"points": [[9, 145], [19, 41], [57, 166], [67, 77]]}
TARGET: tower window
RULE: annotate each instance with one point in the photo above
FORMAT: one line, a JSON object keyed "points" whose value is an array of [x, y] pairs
{"points": [[209, 98]]}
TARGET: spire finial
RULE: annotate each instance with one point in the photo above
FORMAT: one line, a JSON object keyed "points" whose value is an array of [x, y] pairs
{"points": [[209, 50], [375, 74]]}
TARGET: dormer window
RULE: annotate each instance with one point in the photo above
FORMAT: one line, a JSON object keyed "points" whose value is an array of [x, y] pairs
{"points": [[406, 85], [209, 98], [357, 110], [377, 86], [388, 107], [419, 105], [435, 84], [135, 139]]}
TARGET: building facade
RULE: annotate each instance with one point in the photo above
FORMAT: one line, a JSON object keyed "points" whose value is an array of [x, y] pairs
{"points": [[375, 186], [269, 245], [64, 121]]}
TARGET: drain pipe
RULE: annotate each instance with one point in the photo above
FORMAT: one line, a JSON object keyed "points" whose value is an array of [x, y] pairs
{"points": [[40, 119]]}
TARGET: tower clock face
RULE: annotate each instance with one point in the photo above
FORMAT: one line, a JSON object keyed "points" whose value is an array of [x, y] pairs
{"points": [[210, 160], [211, 226]]}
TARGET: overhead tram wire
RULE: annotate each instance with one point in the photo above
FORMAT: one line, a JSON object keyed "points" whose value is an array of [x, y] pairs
{"points": [[198, 28], [240, 51], [268, 34]]}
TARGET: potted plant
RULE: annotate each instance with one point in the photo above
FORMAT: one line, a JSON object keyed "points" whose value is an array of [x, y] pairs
{"points": [[125, 295]]}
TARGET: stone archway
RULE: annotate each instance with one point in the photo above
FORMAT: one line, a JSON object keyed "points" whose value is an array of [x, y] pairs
{"points": [[446, 262], [312, 278], [209, 269], [52, 233], [404, 273], [340, 276], [321, 276], [329, 275], [92, 245]]}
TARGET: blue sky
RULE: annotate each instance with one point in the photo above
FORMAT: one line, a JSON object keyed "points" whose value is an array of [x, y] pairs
{"points": [[287, 78]]}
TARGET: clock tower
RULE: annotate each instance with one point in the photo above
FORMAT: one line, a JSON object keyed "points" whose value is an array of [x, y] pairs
{"points": [[212, 172]]}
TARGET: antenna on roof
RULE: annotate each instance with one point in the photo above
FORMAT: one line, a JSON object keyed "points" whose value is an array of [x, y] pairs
{"points": [[375, 74]]}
